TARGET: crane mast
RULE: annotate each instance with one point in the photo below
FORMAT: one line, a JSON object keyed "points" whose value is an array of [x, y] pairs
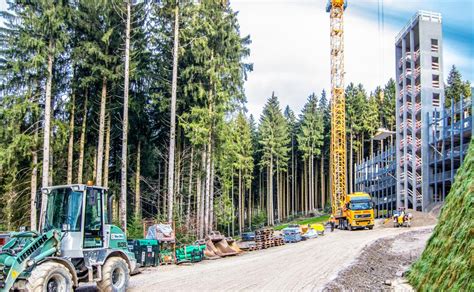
{"points": [[338, 118]]}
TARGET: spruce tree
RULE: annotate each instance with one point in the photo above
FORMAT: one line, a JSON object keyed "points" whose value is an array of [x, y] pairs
{"points": [[310, 140], [456, 88], [274, 139]]}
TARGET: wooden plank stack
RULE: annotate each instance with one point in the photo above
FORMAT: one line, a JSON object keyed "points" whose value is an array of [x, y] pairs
{"points": [[264, 239]]}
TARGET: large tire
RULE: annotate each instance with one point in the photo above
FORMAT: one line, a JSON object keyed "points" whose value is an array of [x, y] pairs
{"points": [[115, 275], [50, 276]]}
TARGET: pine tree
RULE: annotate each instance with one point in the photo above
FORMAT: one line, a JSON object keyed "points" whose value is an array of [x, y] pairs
{"points": [[456, 88], [274, 139], [310, 140], [326, 112], [35, 36], [292, 126], [243, 163]]}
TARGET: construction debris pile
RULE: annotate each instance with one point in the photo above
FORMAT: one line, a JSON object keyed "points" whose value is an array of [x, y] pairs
{"points": [[446, 263]]}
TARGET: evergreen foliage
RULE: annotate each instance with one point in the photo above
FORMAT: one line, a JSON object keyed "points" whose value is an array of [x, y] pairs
{"points": [[456, 88], [232, 171], [446, 262]]}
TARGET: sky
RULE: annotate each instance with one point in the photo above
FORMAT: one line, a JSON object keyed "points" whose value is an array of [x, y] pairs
{"points": [[290, 44]]}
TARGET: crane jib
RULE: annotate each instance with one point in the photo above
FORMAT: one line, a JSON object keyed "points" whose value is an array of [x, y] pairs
{"points": [[30, 250]]}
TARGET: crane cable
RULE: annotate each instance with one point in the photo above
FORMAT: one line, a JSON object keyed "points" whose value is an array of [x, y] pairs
{"points": [[381, 30]]}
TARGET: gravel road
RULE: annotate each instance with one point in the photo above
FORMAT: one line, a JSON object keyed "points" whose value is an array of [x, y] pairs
{"points": [[307, 265]]}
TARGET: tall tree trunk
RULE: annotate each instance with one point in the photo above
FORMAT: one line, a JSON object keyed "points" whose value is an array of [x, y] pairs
{"points": [[293, 177], [323, 191], [123, 168], [174, 85], [202, 194], [190, 188], [288, 195], [211, 200], [277, 191], [158, 198], [137, 183], [250, 206], [311, 181], [208, 183], [100, 144], [232, 200], [240, 201], [107, 150], [94, 171], [306, 186], [34, 181], [47, 126], [316, 200], [82, 142], [260, 199], [270, 195], [51, 163], [70, 148]]}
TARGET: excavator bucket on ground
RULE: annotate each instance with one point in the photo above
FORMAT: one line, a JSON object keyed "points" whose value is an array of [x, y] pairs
{"points": [[233, 244], [224, 248], [217, 246]]}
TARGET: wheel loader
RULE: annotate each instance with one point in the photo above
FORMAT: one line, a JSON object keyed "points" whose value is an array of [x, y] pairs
{"points": [[75, 243]]}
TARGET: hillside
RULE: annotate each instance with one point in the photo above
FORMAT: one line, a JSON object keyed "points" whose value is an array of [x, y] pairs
{"points": [[447, 261]]}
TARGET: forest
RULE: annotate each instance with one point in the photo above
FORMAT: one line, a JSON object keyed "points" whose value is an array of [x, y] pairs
{"points": [[147, 99]]}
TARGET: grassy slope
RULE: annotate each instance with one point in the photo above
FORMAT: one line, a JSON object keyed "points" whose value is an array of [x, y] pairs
{"points": [[319, 219], [448, 259]]}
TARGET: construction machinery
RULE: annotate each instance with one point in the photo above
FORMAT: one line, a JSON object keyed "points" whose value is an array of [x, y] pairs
{"points": [[74, 243], [340, 200], [358, 212], [401, 218]]}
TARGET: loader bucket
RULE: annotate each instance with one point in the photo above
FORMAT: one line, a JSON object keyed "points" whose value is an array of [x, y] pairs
{"points": [[224, 248], [233, 244], [211, 252]]}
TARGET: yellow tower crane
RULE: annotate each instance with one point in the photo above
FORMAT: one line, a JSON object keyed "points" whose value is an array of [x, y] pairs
{"points": [[352, 211], [338, 113]]}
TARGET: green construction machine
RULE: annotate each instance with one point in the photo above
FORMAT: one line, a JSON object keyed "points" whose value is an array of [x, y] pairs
{"points": [[75, 243]]}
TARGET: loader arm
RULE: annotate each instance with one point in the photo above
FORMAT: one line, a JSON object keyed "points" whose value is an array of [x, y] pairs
{"points": [[23, 251]]}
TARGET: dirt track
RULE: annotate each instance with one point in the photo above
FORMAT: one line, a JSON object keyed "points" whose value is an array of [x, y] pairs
{"points": [[308, 265]]}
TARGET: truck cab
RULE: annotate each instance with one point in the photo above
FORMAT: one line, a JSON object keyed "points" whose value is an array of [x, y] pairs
{"points": [[358, 212]]}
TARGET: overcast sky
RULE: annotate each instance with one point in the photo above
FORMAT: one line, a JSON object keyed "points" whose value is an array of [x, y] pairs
{"points": [[290, 44]]}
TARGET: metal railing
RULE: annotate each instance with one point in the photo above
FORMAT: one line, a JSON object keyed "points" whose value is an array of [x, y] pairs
{"points": [[423, 15]]}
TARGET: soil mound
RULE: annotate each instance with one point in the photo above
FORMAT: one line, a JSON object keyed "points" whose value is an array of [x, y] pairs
{"points": [[419, 219]]}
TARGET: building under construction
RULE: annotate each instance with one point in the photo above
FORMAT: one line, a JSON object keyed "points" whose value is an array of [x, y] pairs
{"points": [[430, 141]]}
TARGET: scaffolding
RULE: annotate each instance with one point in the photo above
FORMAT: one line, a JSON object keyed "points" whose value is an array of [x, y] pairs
{"points": [[451, 131], [377, 177]]}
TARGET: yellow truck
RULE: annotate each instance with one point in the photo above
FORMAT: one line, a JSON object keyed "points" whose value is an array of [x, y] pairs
{"points": [[357, 212]]}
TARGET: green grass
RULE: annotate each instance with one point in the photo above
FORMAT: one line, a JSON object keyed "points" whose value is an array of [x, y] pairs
{"points": [[447, 261], [305, 221]]}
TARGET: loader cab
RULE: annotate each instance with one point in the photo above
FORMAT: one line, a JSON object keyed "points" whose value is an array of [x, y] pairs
{"points": [[79, 212]]}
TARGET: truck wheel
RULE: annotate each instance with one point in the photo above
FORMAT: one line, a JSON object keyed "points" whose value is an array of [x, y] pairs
{"points": [[115, 275], [371, 227], [50, 277]]}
